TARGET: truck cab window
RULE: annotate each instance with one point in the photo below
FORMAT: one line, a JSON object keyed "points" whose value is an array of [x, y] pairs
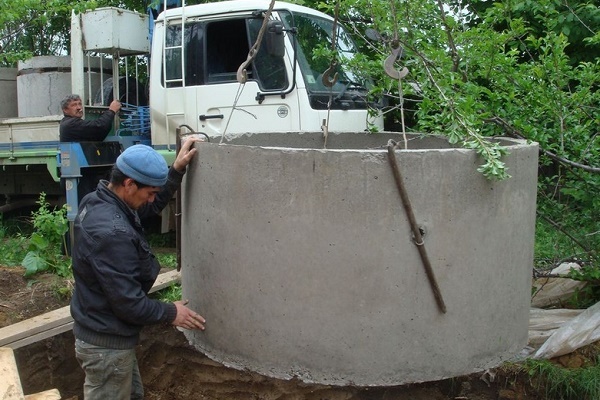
{"points": [[227, 45], [173, 53], [194, 68], [226, 49], [214, 51], [269, 68], [314, 38]]}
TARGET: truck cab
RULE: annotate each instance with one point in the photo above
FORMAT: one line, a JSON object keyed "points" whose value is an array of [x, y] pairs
{"points": [[288, 86]]}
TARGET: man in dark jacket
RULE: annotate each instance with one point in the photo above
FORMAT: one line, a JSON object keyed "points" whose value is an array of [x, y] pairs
{"points": [[73, 128], [114, 269]]}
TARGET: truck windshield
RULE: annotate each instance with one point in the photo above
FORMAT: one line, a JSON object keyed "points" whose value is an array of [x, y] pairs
{"points": [[314, 36]]}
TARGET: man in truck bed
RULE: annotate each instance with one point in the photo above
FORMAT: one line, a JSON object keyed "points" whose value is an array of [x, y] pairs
{"points": [[73, 128]]}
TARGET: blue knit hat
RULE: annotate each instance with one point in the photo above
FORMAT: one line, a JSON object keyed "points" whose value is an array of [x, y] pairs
{"points": [[144, 165]]}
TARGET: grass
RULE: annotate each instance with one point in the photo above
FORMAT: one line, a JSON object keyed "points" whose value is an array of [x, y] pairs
{"points": [[168, 294], [167, 259], [549, 379], [162, 240], [550, 246], [561, 383]]}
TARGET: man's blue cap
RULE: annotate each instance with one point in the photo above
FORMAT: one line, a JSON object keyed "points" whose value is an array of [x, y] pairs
{"points": [[144, 165]]}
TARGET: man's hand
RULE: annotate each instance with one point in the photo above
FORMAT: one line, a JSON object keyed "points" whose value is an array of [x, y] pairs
{"points": [[186, 153], [186, 318], [115, 106]]}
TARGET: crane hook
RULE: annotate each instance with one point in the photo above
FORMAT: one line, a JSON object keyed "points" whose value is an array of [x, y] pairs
{"points": [[327, 79], [388, 64]]}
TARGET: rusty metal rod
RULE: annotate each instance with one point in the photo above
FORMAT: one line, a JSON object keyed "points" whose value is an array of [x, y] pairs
{"points": [[418, 238]]}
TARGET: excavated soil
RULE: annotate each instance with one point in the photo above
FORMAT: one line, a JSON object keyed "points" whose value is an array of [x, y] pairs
{"points": [[173, 370]]}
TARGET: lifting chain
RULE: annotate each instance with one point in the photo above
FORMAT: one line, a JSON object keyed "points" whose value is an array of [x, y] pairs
{"points": [[242, 73], [330, 76], [392, 72]]}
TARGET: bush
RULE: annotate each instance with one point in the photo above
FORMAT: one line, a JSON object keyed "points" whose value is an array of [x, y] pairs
{"points": [[47, 242]]}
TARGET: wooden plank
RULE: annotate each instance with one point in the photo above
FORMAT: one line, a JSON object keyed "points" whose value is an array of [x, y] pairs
{"points": [[35, 325], [165, 280], [52, 394], [58, 321], [45, 334], [10, 384]]}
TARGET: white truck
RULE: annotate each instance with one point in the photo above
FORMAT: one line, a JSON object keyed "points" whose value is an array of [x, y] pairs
{"points": [[218, 68]]}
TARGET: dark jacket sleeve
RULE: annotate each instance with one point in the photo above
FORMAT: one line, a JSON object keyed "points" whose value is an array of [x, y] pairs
{"points": [[164, 196], [73, 129]]}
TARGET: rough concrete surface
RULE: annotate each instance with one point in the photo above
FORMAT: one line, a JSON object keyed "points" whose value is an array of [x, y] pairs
{"points": [[302, 259]]}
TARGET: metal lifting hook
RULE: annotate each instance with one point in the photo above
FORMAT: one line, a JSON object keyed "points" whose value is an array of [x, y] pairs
{"points": [[327, 79], [388, 64], [242, 72]]}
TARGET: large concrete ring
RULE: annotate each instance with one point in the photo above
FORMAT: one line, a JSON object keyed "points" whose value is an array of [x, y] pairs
{"points": [[303, 262]]}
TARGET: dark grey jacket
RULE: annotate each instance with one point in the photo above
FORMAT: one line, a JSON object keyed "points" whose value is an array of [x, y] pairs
{"points": [[74, 129], [114, 269]]}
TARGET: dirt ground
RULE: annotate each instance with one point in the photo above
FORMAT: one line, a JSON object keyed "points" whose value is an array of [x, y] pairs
{"points": [[172, 370]]}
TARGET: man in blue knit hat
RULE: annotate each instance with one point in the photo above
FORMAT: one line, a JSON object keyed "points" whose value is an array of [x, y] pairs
{"points": [[114, 269]]}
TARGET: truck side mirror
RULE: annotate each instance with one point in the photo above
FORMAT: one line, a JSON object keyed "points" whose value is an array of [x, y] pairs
{"points": [[274, 39]]}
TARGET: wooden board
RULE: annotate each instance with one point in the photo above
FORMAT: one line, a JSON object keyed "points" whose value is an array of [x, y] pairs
{"points": [[58, 321], [52, 394], [10, 384]]}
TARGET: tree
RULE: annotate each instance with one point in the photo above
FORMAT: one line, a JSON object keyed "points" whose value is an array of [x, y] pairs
{"points": [[527, 69], [37, 28]]}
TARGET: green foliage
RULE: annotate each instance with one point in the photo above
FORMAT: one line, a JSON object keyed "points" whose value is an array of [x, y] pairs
{"points": [[588, 274], [13, 246], [167, 260], [36, 28], [47, 241], [527, 69], [33, 28], [565, 383], [162, 239], [589, 295], [12, 250], [169, 294], [550, 243]]}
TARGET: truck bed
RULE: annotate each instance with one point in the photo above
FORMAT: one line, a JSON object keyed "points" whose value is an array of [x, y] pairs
{"points": [[28, 156]]}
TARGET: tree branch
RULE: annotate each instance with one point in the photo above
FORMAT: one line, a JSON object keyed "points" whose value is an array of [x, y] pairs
{"points": [[567, 234], [515, 133]]}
